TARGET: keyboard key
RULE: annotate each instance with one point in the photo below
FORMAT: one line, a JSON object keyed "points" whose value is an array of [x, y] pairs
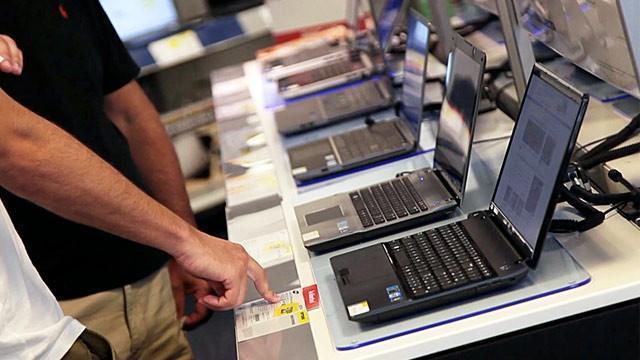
{"points": [[385, 206], [405, 197], [372, 206], [394, 200]]}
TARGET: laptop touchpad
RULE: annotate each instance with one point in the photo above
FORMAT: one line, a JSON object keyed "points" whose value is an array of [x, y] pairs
{"points": [[323, 215]]}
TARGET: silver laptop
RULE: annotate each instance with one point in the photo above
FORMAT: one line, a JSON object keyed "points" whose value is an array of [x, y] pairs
{"points": [[358, 99], [381, 140], [417, 197]]}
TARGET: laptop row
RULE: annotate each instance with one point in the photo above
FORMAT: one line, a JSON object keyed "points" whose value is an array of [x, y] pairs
{"points": [[491, 249]]}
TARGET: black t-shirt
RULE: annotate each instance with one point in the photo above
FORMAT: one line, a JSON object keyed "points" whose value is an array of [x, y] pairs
{"points": [[72, 58]]}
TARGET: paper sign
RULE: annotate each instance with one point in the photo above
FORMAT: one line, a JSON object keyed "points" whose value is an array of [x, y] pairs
{"points": [[258, 318], [269, 249], [176, 48]]}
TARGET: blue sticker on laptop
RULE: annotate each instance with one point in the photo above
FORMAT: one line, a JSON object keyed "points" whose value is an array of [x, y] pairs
{"points": [[394, 293]]}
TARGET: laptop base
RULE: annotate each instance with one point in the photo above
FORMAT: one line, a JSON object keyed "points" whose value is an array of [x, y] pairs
{"points": [[557, 272]]}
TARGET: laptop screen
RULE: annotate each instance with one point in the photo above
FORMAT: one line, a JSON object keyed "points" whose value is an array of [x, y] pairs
{"points": [[415, 64], [386, 19], [133, 18], [533, 162], [457, 115]]}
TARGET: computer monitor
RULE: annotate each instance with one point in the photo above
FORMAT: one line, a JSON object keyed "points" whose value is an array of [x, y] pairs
{"points": [[415, 65], [600, 36], [539, 148], [455, 128], [386, 14], [134, 18]]}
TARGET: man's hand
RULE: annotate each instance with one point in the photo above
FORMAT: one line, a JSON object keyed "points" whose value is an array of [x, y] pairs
{"points": [[226, 267], [183, 284], [10, 56]]}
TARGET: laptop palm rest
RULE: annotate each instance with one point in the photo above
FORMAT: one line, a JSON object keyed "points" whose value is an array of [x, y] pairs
{"points": [[359, 274]]}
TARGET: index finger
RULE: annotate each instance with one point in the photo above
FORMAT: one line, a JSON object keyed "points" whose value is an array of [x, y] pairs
{"points": [[259, 277]]}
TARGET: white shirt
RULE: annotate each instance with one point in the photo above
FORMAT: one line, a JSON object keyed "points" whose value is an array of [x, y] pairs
{"points": [[32, 325]]}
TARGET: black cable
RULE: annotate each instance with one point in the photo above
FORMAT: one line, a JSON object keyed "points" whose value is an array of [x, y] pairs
{"points": [[595, 142], [615, 207], [602, 158], [600, 199], [614, 140], [592, 216]]}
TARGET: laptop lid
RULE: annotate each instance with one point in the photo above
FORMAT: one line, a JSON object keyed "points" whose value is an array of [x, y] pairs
{"points": [[539, 151], [135, 18], [386, 14], [415, 67], [463, 83]]}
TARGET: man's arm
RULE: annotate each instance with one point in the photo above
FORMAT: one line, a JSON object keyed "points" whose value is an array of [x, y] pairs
{"points": [[42, 163], [135, 116]]}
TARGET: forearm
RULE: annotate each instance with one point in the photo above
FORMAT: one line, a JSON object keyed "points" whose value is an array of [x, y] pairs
{"points": [[42, 163], [150, 147]]}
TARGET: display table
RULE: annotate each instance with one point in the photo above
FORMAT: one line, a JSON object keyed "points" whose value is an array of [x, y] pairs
{"points": [[609, 254]]}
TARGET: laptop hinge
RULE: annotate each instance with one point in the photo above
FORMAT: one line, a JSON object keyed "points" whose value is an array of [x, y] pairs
{"points": [[506, 228], [445, 182]]}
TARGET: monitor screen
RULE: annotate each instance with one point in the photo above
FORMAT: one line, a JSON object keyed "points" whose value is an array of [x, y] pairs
{"points": [[132, 18], [592, 34], [457, 116], [532, 164], [386, 19], [415, 64]]}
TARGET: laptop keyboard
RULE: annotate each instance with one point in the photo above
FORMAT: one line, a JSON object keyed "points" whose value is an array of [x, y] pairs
{"points": [[387, 201], [437, 260], [318, 74], [378, 138], [333, 70], [353, 99]]}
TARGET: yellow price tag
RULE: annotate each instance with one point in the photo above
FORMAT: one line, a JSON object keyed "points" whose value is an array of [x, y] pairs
{"points": [[303, 317], [286, 309]]}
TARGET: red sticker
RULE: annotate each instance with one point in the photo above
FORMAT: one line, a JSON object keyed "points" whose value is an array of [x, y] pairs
{"points": [[311, 297], [63, 12]]}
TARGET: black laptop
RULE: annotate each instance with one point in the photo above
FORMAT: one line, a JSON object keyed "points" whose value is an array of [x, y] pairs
{"points": [[419, 196], [379, 140], [491, 249]]}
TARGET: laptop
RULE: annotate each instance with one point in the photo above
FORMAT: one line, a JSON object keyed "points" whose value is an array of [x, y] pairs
{"points": [[491, 249], [387, 18], [326, 109], [416, 197], [340, 67], [378, 140], [359, 99], [320, 50]]}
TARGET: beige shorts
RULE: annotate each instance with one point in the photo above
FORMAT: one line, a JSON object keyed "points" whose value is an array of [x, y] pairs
{"points": [[138, 320]]}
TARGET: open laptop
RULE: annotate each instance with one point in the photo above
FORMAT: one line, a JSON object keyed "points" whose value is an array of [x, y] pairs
{"points": [[491, 249], [419, 196], [326, 109], [321, 50], [340, 67], [381, 139], [358, 99], [387, 19]]}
